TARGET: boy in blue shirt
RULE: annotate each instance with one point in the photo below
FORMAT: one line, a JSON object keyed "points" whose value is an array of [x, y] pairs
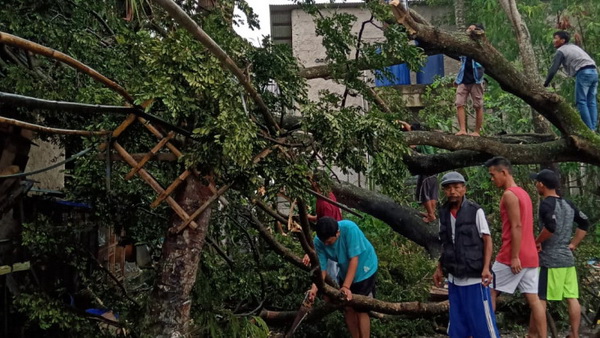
{"points": [[344, 243]]}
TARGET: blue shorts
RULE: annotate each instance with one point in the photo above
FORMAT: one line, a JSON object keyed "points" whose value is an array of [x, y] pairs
{"points": [[471, 313]]}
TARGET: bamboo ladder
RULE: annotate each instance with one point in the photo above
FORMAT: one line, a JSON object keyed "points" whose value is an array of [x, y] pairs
{"points": [[164, 195]]}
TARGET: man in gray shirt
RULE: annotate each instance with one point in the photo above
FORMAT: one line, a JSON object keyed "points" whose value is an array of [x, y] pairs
{"points": [[579, 64], [558, 277]]}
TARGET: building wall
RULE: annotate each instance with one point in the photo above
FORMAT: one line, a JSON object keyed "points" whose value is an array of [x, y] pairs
{"points": [[42, 156]]}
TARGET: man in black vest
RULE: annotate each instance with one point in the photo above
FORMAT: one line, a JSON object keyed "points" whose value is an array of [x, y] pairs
{"points": [[465, 261]]}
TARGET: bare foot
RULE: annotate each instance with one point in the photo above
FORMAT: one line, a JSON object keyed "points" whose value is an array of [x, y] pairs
{"points": [[474, 133], [461, 132]]}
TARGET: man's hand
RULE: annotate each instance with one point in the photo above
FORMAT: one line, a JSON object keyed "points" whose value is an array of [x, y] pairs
{"points": [[346, 292], [306, 260], [438, 277], [312, 293], [572, 247], [515, 265], [538, 246], [486, 277]]}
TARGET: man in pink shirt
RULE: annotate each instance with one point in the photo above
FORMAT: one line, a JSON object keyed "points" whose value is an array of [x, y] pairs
{"points": [[517, 261]]}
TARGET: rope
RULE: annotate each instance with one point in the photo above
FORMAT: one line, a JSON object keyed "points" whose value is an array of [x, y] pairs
{"points": [[79, 154]]}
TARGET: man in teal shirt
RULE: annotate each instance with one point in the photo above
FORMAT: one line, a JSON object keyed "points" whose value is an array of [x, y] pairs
{"points": [[343, 242]]}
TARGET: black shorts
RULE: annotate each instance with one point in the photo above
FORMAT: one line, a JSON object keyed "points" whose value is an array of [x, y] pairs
{"points": [[365, 287], [427, 188]]}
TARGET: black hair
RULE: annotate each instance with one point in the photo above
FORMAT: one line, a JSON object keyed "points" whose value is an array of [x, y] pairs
{"points": [[563, 35], [416, 126], [479, 26], [326, 227], [499, 161]]}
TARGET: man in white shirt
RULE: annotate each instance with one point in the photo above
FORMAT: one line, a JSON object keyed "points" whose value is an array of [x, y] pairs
{"points": [[465, 261]]}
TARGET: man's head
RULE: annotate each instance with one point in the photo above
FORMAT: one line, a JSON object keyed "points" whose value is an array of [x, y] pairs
{"points": [[475, 26], [546, 181], [453, 184], [559, 38], [500, 170], [327, 230]]}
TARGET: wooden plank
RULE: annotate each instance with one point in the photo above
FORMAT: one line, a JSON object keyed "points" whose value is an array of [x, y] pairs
{"points": [[155, 185], [159, 135], [164, 157], [120, 129], [171, 188], [149, 155]]}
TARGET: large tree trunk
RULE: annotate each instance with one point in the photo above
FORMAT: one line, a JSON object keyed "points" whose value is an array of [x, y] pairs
{"points": [[404, 220], [169, 305]]}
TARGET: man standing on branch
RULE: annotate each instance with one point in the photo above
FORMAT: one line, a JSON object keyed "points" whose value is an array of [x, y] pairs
{"points": [[466, 255], [346, 244], [579, 64], [469, 82], [517, 261], [558, 277]]}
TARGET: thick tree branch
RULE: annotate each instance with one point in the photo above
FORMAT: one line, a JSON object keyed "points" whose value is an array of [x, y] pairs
{"points": [[33, 47], [405, 221], [191, 26], [560, 150]]}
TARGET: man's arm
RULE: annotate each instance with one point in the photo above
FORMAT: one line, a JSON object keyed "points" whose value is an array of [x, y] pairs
{"points": [[548, 220], [583, 224], [488, 247], [511, 204], [484, 232], [438, 276], [579, 235], [345, 288], [558, 59]]}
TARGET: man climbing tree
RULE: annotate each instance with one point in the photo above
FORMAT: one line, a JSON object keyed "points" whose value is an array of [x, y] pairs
{"points": [[579, 64]]}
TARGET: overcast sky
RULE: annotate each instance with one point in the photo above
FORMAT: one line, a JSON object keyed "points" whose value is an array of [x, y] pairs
{"points": [[261, 8]]}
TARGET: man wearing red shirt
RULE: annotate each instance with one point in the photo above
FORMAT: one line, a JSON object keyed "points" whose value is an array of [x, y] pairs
{"points": [[517, 261], [325, 209]]}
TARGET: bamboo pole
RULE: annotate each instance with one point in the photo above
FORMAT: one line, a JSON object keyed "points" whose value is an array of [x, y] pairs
{"points": [[149, 155], [204, 206], [15, 41], [154, 185], [42, 129], [36, 103], [171, 188]]}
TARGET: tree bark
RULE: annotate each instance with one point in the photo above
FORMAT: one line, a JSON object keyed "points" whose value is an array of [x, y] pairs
{"points": [[404, 220], [169, 305], [527, 54], [459, 15]]}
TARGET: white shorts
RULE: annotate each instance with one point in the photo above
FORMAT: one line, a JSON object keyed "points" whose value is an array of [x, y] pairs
{"points": [[506, 281]]}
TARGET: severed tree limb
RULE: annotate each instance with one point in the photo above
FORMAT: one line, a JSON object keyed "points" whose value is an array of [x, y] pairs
{"points": [[560, 150], [191, 26], [33, 47], [404, 220], [437, 163]]}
